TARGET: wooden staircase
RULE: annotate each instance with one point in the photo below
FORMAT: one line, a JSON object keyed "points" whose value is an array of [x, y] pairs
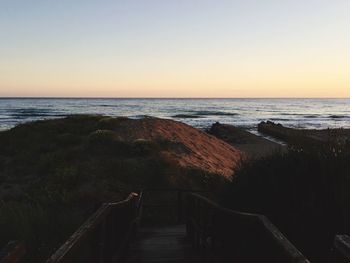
{"points": [[175, 226]]}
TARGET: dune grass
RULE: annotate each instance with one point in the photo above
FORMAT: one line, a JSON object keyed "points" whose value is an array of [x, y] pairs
{"points": [[41, 229], [305, 192], [55, 173]]}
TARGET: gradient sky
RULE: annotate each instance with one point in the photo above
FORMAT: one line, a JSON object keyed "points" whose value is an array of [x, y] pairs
{"points": [[175, 48]]}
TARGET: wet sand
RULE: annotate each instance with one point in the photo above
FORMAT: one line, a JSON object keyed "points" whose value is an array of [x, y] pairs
{"points": [[252, 146], [292, 135]]}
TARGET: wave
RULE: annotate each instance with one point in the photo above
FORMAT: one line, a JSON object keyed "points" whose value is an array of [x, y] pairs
{"points": [[34, 112], [338, 116], [278, 119], [295, 114], [201, 114], [106, 105], [311, 116], [186, 116], [213, 113]]}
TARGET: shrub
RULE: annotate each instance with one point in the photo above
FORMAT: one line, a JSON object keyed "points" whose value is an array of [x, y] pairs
{"points": [[41, 228], [305, 192]]}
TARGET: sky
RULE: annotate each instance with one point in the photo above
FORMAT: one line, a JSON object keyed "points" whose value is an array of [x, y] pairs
{"points": [[175, 48]]}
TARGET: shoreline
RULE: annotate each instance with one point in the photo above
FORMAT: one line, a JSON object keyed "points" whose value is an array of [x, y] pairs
{"points": [[268, 135], [199, 113], [292, 135], [252, 145]]}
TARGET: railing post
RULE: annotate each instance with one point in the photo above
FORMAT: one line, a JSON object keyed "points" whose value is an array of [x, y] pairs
{"points": [[102, 242], [214, 239], [198, 222], [179, 206]]}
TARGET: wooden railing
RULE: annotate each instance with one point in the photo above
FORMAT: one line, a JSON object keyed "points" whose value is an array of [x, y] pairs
{"points": [[223, 234], [229, 235], [165, 205], [105, 236], [341, 249]]}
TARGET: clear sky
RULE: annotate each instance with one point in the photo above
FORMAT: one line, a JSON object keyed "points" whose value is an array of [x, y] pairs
{"points": [[175, 48]]}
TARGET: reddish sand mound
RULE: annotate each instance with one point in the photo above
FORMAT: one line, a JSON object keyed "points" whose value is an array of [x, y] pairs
{"points": [[189, 147]]}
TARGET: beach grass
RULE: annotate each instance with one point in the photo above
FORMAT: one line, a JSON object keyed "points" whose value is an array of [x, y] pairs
{"points": [[304, 191]]}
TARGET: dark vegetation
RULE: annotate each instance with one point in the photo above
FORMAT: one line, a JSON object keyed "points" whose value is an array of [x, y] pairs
{"points": [[305, 192], [54, 174]]}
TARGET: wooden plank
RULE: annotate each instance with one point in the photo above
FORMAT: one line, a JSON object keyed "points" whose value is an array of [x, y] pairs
{"points": [[162, 244]]}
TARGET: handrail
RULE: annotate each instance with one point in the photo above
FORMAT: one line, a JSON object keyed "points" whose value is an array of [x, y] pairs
{"points": [[103, 236], [173, 189], [208, 219], [95, 229], [342, 248], [178, 205]]}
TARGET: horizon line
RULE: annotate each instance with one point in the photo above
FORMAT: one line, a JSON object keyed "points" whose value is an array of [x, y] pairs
{"points": [[199, 98]]}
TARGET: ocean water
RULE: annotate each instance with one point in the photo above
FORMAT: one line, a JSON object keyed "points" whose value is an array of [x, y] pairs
{"points": [[201, 113]]}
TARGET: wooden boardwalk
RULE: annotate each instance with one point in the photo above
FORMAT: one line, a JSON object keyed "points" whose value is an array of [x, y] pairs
{"points": [[213, 234], [162, 244]]}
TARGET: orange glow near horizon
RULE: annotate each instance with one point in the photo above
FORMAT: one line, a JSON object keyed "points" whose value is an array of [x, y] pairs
{"points": [[245, 80], [175, 49]]}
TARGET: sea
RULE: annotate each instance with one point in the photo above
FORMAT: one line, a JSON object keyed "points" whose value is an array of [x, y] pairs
{"points": [[200, 113]]}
